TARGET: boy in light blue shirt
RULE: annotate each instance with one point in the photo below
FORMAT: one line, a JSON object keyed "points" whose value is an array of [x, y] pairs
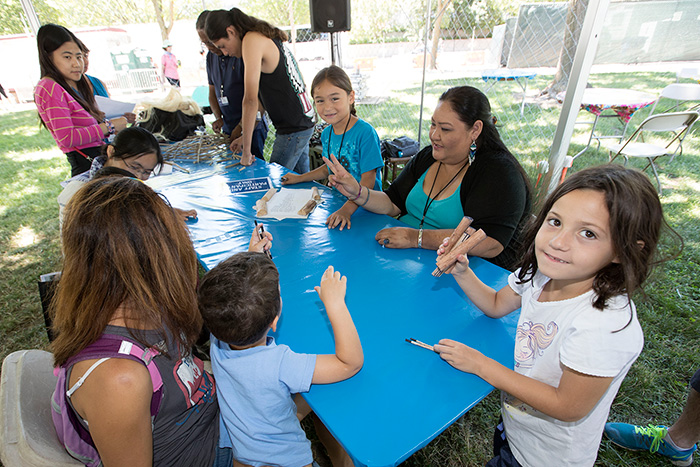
{"points": [[240, 302]]}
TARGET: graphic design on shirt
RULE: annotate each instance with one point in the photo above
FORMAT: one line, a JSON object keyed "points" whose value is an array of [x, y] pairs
{"points": [[531, 340], [188, 375], [297, 82], [351, 164]]}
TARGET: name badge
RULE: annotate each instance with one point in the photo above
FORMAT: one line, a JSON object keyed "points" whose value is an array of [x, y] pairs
{"points": [[223, 100]]}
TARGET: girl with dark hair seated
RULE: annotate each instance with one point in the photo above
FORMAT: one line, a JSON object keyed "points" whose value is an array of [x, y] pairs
{"points": [[135, 151]]}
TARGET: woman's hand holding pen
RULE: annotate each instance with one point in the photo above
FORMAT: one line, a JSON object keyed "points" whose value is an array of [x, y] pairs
{"points": [[260, 240], [340, 179]]}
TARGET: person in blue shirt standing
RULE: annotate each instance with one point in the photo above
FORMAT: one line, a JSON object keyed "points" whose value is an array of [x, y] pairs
{"points": [[226, 92]]}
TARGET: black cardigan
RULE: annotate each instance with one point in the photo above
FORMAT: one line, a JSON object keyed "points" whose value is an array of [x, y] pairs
{"points": [[493, 192]]}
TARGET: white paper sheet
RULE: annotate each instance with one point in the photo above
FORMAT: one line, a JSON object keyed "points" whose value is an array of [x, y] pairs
{"points": [[112, 108], [287, 202]]}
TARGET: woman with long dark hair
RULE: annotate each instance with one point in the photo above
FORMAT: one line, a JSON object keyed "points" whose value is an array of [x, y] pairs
{"points": [[272, 72], [65, 100], [466, 171]]}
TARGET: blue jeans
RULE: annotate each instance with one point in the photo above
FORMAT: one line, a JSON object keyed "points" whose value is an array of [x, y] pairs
{"points": [[257, 145], [224, 457], [292, 150]]}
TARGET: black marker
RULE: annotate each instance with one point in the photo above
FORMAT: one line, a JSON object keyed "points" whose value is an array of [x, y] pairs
{"points": [[262, 231]]}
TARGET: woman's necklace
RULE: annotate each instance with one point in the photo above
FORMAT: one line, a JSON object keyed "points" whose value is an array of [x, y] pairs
{"points": [[341, 139], [430, 200]]}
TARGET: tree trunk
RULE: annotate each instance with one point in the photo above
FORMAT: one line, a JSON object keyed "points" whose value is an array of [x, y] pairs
{"points": [[441, 6], [574, 20], [164, 28]]}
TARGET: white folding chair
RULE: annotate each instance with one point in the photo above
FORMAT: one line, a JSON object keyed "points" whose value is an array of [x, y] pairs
{"points": [[679, 92], [676, 125], [27, 435]]}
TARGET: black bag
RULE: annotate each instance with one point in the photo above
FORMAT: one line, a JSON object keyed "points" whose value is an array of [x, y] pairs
{"points": [[403, 146], [174, 126], [47, 288]]}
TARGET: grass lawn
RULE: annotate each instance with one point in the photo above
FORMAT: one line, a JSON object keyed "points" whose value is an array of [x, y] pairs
{"points": [[31, 168]]}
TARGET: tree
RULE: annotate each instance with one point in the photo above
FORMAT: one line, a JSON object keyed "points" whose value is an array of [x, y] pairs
{"points": [[13, 20], [98, 13], [574, 21], [165, 28], [441, 7]]}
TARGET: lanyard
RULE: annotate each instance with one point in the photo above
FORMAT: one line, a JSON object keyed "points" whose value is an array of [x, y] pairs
{"points": [[222, 67], [341, 139], [430, 200]]}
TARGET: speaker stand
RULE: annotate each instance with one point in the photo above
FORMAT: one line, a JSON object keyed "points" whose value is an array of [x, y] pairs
{"points": [[335, 50]]}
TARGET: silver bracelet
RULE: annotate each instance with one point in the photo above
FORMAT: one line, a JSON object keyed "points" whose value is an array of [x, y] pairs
{"points": [[420, 237]]}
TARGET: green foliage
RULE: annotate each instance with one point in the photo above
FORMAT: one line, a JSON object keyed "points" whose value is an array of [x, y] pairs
{"points": [[10, 17], [278, 13], [13, 20], [395, 20]]}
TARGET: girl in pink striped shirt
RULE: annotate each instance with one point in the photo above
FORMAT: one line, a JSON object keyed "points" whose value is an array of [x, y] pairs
{"points": [[65, 102]]}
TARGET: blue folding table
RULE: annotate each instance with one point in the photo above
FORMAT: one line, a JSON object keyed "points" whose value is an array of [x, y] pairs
{"points": [[404, 396], [505, 74]]}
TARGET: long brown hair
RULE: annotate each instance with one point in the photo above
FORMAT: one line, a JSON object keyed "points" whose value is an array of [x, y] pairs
{"points": [[219, 20], [635, 216], [49, 38], [124, 248]]}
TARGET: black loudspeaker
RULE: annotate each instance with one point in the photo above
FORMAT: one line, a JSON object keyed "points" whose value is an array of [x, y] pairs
{"points": [[330, 15]]}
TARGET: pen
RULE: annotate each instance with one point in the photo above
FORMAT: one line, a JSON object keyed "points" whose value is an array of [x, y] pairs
{"points": [[418, 343], [260, 234]]}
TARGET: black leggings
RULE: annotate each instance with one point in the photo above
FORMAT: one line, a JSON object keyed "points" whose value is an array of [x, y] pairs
{"points": [[79, 163], [501, 449]]}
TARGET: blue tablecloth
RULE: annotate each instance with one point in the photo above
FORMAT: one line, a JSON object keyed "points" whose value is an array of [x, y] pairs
{"points": [[404, 396]]}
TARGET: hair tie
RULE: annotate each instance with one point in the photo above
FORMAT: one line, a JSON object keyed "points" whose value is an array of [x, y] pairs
{"points": [[494, 119]]}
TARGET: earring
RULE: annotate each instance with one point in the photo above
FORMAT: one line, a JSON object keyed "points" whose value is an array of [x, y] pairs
{"points": [[472, 152]]}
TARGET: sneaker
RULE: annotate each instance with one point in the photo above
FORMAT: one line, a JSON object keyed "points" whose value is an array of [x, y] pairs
{"points": [[648, 438]]}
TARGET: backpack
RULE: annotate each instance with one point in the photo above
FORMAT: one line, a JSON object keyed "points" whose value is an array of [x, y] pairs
{"points": [[174, 126], [71, 432], [403, 146]]}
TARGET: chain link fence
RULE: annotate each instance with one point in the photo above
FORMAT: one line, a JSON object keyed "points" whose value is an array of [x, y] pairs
{"points": [[517, 52], [511, 54]]}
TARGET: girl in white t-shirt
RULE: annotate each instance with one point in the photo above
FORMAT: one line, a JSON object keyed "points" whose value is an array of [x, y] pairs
{"points": [[590, 248]]}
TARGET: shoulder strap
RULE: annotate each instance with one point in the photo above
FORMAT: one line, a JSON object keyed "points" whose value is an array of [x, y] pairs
{"points": [[115, 346]]}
